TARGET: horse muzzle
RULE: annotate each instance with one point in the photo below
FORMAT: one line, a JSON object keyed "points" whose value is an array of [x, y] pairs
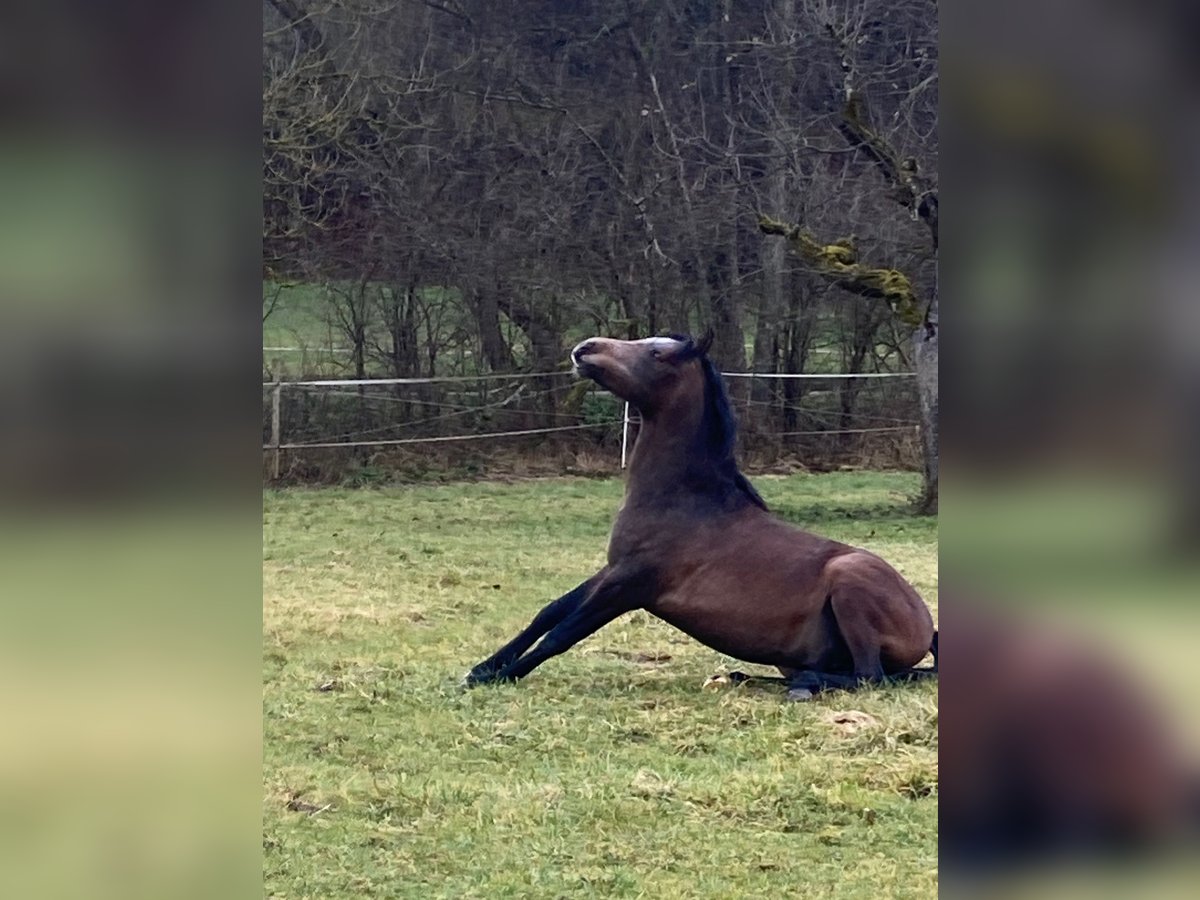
{"points": [[586, 358], [590, 347]]}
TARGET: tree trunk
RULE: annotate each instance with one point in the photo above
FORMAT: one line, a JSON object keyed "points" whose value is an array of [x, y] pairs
{"points": [[862, 337], [766, 328], [725, 275], [487, 318], [545, 352], [729, 347], [774, 262], [925, 356], [798, 336]]}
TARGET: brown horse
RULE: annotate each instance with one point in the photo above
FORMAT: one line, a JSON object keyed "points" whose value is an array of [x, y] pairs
{"points": [[694, 545]]}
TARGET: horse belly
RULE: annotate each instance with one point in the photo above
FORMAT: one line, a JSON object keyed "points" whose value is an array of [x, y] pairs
{"points": [[759, 632]]}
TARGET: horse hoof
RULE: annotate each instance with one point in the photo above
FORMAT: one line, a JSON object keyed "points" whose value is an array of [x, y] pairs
{"points": [[799, 695]]}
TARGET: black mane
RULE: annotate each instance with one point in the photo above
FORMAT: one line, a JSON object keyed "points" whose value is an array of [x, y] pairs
{"points": [[720, 423]]}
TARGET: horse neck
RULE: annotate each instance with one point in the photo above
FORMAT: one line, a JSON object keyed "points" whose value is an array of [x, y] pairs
{"points": [[669, 449]]}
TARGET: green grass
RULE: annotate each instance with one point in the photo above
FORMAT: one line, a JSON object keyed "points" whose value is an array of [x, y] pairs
{"points": [[299, 316], [608, 771], [301, 321]]}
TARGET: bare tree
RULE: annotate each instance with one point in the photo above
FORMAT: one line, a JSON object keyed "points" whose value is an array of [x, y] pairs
{"points": [[515, 177]]}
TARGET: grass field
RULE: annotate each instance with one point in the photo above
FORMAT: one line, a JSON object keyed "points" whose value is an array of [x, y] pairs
{"points": [[608, 771]]}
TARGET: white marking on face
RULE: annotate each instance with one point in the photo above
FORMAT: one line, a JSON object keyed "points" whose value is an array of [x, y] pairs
{"points": [[664, 343], [657, 343]]}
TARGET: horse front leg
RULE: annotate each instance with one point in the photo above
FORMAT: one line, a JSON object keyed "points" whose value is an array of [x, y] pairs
{"points": [[552, 614], [614, 594]]}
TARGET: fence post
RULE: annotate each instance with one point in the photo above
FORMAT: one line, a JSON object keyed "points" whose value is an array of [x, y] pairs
{"points": [[624, 435], [275, 442]]}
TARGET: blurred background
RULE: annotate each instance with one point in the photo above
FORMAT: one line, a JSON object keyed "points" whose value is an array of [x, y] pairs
{"points": [[129, 476], [136, 277], [1069, 538]]}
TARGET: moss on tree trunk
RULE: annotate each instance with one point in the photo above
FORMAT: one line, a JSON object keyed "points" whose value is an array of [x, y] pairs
{"points": [[839, 263]]}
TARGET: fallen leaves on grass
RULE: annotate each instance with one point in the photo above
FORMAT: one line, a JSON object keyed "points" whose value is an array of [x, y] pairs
{"points": [[847, 722], [650, 785], [295, 804]]}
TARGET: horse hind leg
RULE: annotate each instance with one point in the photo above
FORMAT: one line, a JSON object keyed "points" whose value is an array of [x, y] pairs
{"points": [[860, 623], [855, 627], [858, 619], [915, 674]]}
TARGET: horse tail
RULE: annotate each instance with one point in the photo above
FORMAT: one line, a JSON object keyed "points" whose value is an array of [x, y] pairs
{"points": [[933, 649]]}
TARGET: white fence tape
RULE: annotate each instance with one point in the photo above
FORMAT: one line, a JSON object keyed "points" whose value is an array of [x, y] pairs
{"points": [[348, 382], [363, 382], [435, 440]]}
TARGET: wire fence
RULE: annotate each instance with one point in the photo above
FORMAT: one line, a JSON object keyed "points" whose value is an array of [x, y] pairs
{"points": [[312, 428]]}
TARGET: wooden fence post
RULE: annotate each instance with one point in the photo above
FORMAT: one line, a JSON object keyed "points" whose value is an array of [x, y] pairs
{"points": [[275, 392]]}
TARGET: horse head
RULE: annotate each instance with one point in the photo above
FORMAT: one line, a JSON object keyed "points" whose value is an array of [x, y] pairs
{"points": [[651, 374]]}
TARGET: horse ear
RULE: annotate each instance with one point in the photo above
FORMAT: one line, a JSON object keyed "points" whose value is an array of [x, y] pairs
{"points": [[705, 343]]}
